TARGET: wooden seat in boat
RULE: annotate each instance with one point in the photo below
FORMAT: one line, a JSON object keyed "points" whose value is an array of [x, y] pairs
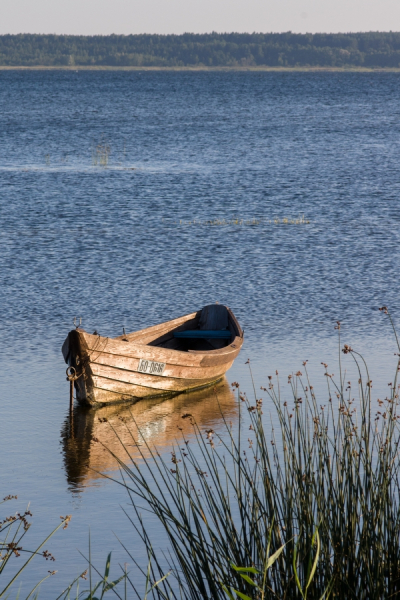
{"points": [[203, 334], [209, 330], [213, 327]]}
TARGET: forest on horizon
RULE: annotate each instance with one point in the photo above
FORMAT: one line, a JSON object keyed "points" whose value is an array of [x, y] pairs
{"points": [[371, 50]]}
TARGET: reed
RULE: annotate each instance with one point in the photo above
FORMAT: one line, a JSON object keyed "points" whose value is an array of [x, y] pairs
{"points": [[320, 492], [13, 529], [242, 222], [100, 154]]}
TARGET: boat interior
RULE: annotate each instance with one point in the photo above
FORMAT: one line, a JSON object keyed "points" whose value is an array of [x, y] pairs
{"points": [[209, 329]]}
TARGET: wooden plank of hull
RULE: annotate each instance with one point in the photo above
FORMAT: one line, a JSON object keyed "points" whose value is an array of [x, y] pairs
{"points": [[127, 363], [106, 390], [150, 381], [97, 345]]}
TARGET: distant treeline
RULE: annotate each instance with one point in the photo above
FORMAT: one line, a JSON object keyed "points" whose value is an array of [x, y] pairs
{"points": [[373, 50]]}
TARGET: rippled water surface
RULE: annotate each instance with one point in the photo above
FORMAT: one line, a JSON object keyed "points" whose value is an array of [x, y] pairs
{"points": [[129, 198]]}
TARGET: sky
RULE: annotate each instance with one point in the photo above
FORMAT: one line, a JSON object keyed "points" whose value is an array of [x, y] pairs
{"points": [[91, 17]]}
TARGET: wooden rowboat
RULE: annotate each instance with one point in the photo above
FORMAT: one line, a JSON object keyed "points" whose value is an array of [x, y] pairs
{"points": [[184, 354]]}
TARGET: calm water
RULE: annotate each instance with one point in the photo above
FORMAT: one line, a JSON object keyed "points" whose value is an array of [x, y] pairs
{"points": [[117, 245]]}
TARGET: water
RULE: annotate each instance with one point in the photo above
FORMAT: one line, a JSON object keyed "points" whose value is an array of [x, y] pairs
{"points": [[114, 244]]}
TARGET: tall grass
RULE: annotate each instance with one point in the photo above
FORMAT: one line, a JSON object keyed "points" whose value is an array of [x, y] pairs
{"points": [[13, 529], [323, 487]]}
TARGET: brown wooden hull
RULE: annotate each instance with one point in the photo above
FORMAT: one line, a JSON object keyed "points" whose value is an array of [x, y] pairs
{"points": [[108, 369]]}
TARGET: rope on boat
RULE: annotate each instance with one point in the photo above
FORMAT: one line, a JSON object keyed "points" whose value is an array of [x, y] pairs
{"points": [[71, 371], [95, 349]]}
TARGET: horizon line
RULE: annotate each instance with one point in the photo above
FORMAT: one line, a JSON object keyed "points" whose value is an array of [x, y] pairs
{"points": [[204, 33]]}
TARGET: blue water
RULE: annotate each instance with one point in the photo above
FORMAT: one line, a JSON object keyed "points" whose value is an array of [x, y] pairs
{"points": [[109, 182]]}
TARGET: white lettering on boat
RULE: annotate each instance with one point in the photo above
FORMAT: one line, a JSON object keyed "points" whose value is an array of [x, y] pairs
{"points": [[151, 366]]}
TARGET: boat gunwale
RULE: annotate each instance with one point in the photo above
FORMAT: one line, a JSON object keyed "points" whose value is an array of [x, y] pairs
{"points": [[173, 323], [174, 352], [169, 355], [147, 330]]}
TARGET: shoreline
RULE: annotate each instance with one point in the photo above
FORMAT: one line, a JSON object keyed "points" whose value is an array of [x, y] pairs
{"points": [[204, 69]]}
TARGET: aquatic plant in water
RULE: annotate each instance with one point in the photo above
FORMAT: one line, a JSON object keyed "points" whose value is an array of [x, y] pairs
{"points": [[301, 220], [100, 154], [13, 530], [321, 492]]}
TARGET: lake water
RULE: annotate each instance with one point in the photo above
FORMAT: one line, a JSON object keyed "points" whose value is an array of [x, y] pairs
{"points": [[109, 181]]}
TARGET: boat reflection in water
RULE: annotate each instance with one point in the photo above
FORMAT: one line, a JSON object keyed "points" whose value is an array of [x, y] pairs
{"points": [[157, 422]]}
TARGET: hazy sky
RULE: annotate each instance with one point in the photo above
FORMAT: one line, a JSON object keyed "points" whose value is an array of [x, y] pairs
{"points": [[177, 16]]}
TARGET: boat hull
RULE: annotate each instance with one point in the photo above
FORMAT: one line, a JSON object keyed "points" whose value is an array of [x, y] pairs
{"points": [[108, 370]]}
